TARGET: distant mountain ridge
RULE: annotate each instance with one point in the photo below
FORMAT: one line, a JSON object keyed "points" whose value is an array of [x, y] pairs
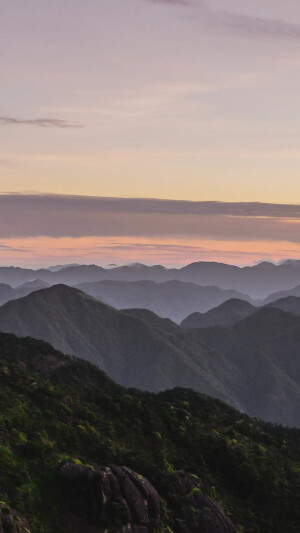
{"points": [[295, 291], [266, 348], [173, 299], [170, 299], [257, 281], [232, 311], [253, 366], [227, 314], [8, 293]]}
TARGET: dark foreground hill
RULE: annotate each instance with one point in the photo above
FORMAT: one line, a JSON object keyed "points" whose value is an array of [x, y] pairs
{"points": [[61, 419], [255, 374]]}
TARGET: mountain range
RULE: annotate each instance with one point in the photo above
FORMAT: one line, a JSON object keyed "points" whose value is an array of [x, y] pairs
{"points": [[258, 281], [253, 365], [283, 294], [8, 293], [170, 299], [232, 311], [132, 350]]}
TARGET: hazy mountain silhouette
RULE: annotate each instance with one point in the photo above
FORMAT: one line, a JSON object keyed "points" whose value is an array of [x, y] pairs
{"points": [[171, 299], [232, 311], [56, 268], [226, 314], [290, 304], [257, 281], [281, 294], [265, 347], [15, 276], [151, 319], [36, 284], [253, 366], [8, 293]]}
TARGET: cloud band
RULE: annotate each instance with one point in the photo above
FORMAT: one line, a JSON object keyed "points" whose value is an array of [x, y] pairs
{"points": [[58, 216]]}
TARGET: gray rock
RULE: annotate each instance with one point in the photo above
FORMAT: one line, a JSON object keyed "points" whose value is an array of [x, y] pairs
{"points": [[12, 522], [95, 500], [208, 518], [133, 497], [92, 498]]}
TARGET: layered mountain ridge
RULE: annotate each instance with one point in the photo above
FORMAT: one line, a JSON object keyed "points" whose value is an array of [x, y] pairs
{"points": [[258, 281], [232, 311], [253, 365]]}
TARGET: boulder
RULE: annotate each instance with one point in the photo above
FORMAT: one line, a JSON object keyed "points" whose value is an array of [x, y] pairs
{"points": [[97, 499], [12, 522], [199, 513], [117, 499]]}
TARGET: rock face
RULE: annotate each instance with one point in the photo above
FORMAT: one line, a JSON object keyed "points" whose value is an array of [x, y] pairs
{"points": [[104, 500], [12, 522], [115, 498], [208, 518]]}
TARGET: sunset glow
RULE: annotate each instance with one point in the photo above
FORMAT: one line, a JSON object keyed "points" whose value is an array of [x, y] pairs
{"points": [[170, 252]]}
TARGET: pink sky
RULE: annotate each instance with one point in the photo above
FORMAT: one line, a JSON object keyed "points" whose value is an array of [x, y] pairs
{"points": [[44, 251]]}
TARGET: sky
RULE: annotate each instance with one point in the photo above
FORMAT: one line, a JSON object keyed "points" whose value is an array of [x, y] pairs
{"points": [[160, 131]]}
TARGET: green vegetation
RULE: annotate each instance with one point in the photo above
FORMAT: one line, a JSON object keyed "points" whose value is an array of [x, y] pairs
{"points": [[55, 408]]}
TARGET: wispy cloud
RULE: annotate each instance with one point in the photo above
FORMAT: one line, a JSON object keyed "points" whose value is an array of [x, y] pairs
{"points": [[76, 216], [255, 26], [175, 249], [39, 122], [7, 248], [170, 2], [247, 25]]}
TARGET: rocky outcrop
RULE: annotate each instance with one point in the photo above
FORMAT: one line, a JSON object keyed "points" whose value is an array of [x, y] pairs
{"points": [[117, 499], [114, 499], [12, 522], [198, 514]]}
